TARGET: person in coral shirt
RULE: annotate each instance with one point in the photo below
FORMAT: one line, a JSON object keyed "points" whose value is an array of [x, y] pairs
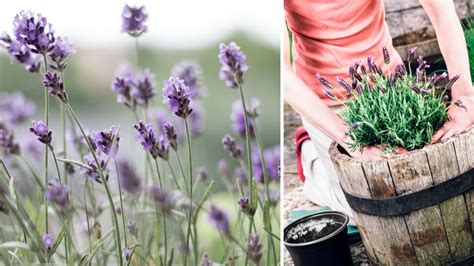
{"points": [[328, 37]]}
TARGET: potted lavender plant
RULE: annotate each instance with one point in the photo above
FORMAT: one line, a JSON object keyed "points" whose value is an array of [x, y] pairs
{"points": [[409, 207]]}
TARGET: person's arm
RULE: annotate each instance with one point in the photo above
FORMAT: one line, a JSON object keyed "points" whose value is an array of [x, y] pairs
{"points": [[311, 107], [442, 14]]}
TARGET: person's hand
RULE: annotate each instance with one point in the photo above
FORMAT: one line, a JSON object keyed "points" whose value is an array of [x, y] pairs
{"points": [[461, 117]]}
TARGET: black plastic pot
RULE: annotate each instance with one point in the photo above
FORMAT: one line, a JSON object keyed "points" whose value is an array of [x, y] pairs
{"points": [[324, 244]]}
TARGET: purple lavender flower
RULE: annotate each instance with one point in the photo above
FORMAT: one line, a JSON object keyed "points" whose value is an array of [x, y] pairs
{"points": [[48, 241], [219, 219], [93, 172], [238, 120], [254, 249], [170, 132], [53, 81], [178, 96], [14, 108], [231, 147], [452, 81], [144, 89], [205, 260], [329, 95], [244, 204], [163, 147], [20, 53], [386, 56], [223, 168], [324, 81], [344, 84], [40, 129], [438, 79], [240, 177], [400, 70], [163, 198], [58, 193], [133, 20], [201, 174], [191, 74], [62, 49], [274, 196], [157, 146], [7, 140], [124, 82], [411, 54], [106, 141], [372, 65], [233, 64], [128, 178], [127, 253], [34, 31]]}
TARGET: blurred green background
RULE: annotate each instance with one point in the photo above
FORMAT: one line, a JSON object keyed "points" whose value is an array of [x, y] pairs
{"points": [[91, 71]]}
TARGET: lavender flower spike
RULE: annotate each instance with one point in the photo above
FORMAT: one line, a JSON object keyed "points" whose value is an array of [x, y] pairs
{"points": [[14, 108], [34, 31], [106, 141], [233, 64], [223, 168], [170, 132], [124, 82], [324, 81], [133, 20], [191, 74], [20, 53], [178, 96], [201, 174], [145, 88], [40, 129], [219, 219], [48, 241], [411, 54], [163, 198], [254, 249], [58, 193], [205, 260], [244, 204], [62, 49], [386, 56], [238, 120], [7, 140], [231, 147], [53, 81]]}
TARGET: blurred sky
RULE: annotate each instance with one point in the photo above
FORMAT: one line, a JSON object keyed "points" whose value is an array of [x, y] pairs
{"points": [[172, 23]]}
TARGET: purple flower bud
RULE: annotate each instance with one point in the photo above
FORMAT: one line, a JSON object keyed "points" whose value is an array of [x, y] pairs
{"points": [[58, 193], [133, 20], [372, 65], [144, 88], [400, 70], [170, 132], [163, 199], [48, 241], [191, 74], [93, 172], [205, 260], [254, 249], [233, 65], [324, 81], [21, 53], [439, 79], [411, 54], [146, 137], [452, 81], [272, 161], [219, 219], [363, 70], [415, 88], [386, 56], [344, 84], [329, 95], [244, 204], [62, 49], [127, 253], [162, 147], [231, 147], [201, 174], [392, 80], [40, 129], [124, 82], [223, 168], [106, 141], [53, 82], [240, 177], [128, 177], [177, 95]]}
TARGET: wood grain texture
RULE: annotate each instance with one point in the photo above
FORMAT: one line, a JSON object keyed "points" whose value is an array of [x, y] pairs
{"points": [[444, 166]]}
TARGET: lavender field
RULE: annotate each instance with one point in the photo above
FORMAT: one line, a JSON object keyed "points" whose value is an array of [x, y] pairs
{"points": [[132, 155]]}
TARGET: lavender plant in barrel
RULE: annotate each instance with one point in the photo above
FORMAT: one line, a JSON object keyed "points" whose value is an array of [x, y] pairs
{"points": [[399, 109]]}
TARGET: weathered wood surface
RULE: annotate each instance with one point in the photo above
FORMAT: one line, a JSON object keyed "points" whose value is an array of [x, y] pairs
{"points": [[435, 235]]}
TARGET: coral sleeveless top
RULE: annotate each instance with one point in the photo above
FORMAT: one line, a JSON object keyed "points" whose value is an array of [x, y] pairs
{"points": [[329, 36]]}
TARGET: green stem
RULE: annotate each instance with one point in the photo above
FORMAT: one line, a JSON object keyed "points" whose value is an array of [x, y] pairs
{"points": [[182, 172], [188, 137], [174, 176], [121, 203], [137, 51], [55, 161], [163, 213], [106, 186]]}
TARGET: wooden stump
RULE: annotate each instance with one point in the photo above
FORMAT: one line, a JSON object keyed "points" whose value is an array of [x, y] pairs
{"points": [[436, 234]]}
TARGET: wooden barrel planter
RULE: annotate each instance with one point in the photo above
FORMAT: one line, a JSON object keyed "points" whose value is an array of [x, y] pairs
{"points": [[415, 208]]}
